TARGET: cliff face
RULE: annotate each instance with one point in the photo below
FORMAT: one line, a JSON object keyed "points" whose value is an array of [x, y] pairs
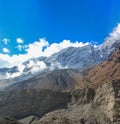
{"points": [[116, 107], [82, 96], [86, 106], [106, 100], [89, 106]]}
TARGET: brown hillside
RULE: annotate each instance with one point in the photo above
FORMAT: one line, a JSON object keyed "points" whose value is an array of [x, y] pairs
{"points": [[104, 72]]}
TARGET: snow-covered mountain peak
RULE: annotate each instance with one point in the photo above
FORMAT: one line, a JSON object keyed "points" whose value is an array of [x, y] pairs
{"points": [[116, 30], [113, 37], [78, 56], [110, 43]]}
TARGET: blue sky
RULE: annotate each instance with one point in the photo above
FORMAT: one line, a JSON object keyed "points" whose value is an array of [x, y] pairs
{"points": [[55, 20]]}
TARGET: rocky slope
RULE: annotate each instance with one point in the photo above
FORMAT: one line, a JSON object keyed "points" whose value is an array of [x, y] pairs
{"points": [[67, 96], [102, 73], [89, 106], [38, 95], [21, 102]]}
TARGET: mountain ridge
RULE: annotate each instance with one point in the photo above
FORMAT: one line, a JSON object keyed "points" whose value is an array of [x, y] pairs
{"points": [[69, 58]]}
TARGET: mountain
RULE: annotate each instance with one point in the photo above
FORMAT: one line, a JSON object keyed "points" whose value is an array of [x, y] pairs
{"points": [[94, 99], [104, 72], [67, 95], [74, 86], [70, 58]]}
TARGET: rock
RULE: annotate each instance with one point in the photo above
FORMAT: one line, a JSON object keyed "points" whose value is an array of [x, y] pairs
{"points": [[101, 107], [82, 96]]}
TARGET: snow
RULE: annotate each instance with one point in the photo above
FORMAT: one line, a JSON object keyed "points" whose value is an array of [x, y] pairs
{"points": [[80, 57]]}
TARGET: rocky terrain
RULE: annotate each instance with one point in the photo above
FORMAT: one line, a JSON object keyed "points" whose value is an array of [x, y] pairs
{"points": [[88, 106], [102, 73], [67, 96]]}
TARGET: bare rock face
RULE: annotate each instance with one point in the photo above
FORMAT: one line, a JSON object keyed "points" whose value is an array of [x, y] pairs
{"points": [[116, 106], [96, 106], [82, 96], [84, 106]]}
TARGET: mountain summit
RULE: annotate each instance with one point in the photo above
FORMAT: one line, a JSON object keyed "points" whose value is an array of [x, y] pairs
{"points": [[81, 58]]}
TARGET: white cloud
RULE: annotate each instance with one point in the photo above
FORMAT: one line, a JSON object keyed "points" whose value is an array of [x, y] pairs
{"points": [[35, 49], [42, 48], [38, 66], [5, 41], [56, 47], [34, 66], [9, 61], [16, 74], [19, 40], [5, 50]]}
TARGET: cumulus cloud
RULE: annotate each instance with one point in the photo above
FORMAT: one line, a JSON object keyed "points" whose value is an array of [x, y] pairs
{"points": [[9, 61], [36, 66], [43, 48], [56, 47], [16, 74], [33, 67], [19, 40], [5, 41], [5, 50], [35, 49]]}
